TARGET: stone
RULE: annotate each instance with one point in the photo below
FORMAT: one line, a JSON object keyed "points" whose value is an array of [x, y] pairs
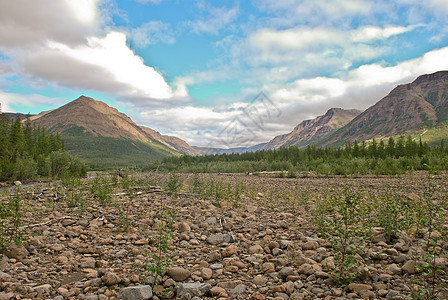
{"points": [[286, 272], [268, 268], [139, 292], [213, 257], [409, 267], [238, 290], [184, 227], [311, 245], [193, 289], [279, 289], [6, 296], [230, 250], [206, 273], [110, 278], [256, 249], [68, 222], [4, 276], [358, 287], [14, 251], [179, 274], [257, 296], [260, 280], [306, 269], [219, 292], [215, 239]]}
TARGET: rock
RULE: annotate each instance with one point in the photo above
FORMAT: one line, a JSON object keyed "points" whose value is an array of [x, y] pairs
{"points": [[178, 274], [256, 249], [238, 290], [6, 296], [18, 252], [230, 250], [311, 245], [140, 292], [268, 268], [193, 289], [110, 278], [286, 272], [68, 222], [393, 269], [306, 269], [17, 182], [213, 257], [4, 276], [409, 267], [358, 287], [206, 273], [215, 239], [260, 280], [184, 227], [257, 296], [279, 289], [219, 292]]}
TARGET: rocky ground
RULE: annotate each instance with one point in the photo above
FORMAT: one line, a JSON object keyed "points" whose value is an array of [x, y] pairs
{"points": [[262, 245]]}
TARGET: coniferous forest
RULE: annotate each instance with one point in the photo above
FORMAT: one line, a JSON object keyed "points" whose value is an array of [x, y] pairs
{"points": [[28, 152], [393, 156]]}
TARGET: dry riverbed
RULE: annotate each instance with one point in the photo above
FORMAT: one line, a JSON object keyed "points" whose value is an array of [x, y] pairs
{"points": [[228, 236]]}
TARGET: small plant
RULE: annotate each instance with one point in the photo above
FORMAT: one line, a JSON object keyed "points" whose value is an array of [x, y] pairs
{"points": [[101, 189], [340, 219], [172, 185], [160, 260], [431, 279], [10, 220]]}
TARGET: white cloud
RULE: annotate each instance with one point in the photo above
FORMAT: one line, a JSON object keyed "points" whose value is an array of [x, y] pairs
{"points": [[371, 33], [31, 100], [76, 53], [152, 32], [217, 18]]}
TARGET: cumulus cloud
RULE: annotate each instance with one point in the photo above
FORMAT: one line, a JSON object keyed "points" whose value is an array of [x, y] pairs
{"points": [[62, 42]]}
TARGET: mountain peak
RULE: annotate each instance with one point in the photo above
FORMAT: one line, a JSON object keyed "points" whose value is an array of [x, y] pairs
{"points": [[310, 130]]}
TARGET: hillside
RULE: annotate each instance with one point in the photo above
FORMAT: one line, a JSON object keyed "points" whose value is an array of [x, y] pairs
{"points": [[104, 137], [408, 109], [310, 131]]}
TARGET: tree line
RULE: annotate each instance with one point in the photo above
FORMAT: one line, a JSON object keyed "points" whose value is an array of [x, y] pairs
{"points": [[393, 156], [28, 152]]}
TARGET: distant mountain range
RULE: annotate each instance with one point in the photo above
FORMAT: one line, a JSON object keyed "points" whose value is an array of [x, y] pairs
{"points": [[411, 108], [104, 137]]}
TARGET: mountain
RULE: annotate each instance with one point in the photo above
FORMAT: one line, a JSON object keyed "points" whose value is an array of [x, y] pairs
{"points": [[309, 131], [105, 137], [237, 150], [408, 109], [14, 116]]}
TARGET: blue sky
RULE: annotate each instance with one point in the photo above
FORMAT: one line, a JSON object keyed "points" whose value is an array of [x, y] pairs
{"points": [[192, 68]]}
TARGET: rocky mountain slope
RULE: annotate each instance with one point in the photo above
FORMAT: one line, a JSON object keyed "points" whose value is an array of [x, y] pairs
{"points": [[310, 131], [408, 108], [92, 129]]}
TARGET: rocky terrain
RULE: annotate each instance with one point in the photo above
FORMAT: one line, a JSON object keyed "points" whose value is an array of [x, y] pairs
{"points": [[254, 240]]}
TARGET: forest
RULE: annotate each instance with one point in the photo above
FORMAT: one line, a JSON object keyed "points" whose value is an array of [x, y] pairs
{"points": [[28, 152], [393, 156]]}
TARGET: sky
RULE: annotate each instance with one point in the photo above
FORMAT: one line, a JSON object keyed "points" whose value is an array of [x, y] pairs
{"points": [[216, 73]]}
